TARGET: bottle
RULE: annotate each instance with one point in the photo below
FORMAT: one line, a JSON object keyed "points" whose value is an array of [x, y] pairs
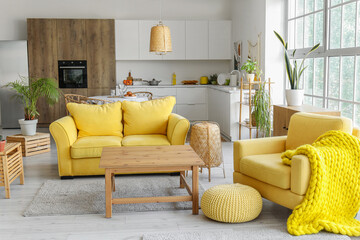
{"points": [[129, 79], [174, 79]]}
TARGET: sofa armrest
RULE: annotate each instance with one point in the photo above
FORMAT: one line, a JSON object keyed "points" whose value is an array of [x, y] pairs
{"points": [[356, 132], [258, 146], [177, 129], [64, 132], [300, 174]]}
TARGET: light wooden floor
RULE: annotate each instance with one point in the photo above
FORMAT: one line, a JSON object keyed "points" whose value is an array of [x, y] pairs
{"points": [[40, 168]]}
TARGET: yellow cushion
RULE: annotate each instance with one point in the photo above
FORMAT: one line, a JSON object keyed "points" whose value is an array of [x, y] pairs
{"points": [[97, 120], [231, 203], [150, 117], [267, 168], [91, 147], [305, 128], [145, 140]]}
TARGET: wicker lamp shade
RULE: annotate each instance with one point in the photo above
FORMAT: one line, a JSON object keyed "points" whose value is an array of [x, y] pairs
{"points": [[160, 39], [205, 139]]}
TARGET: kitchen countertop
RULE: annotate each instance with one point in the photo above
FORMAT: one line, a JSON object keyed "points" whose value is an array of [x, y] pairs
{"points": [[226, 89]]}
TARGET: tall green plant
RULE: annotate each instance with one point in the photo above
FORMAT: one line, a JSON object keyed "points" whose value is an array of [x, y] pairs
{"points": [[30, 93], [293, 71], [261, 110]]}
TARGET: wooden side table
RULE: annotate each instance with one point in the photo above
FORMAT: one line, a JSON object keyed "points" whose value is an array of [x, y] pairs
{"points": [[31, 145], [11, 166], [282, 115]]}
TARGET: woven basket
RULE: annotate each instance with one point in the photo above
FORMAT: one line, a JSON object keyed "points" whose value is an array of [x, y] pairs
{"points": [[205, 139]]}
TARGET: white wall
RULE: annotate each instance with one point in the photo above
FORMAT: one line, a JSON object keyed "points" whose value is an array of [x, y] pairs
{"points": [[14, 12], [163, 70]]}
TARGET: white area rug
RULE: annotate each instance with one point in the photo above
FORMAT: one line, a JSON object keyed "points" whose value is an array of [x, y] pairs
{"points": [[87, 195], [252, 233]]}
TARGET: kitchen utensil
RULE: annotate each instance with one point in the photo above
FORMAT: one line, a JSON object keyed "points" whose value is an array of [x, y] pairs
{"points": [[153, 82], [204, 80], [189, 82], [221, 80]]}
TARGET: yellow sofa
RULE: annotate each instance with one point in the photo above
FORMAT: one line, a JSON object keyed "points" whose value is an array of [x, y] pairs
{"points": [[257, 162], [80, 137]]}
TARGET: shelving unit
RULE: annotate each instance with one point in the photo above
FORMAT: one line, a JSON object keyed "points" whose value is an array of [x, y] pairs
{"points": [[251, 87]]}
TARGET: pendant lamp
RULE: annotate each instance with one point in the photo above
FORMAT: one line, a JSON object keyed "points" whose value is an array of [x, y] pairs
{"points": [[160, 38]]}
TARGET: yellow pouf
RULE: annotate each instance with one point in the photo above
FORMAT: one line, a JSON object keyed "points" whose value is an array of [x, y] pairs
{"points": [[231, 203]]}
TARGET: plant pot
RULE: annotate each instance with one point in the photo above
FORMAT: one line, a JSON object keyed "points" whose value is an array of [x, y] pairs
{"points": [[2, 145], [253, 120], [294, 97], [250, 77], [28, 127]]}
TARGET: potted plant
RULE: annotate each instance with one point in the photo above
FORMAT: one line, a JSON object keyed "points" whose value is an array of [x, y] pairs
{"points": [[2, 143], [250, 67], [294, 95], [29, 94], [261, 117], [213, 79]]}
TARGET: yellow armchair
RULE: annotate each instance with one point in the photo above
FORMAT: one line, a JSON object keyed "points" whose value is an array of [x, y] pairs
{"points": [[257, 162]]}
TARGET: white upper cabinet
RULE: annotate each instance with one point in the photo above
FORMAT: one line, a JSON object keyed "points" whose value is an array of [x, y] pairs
{"points": [[177, 30], [127, 39], [219, 39], [144, 40], [197, 39]]}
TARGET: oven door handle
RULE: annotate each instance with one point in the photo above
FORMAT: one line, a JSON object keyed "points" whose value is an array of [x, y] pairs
{"points": [[71, 67]]}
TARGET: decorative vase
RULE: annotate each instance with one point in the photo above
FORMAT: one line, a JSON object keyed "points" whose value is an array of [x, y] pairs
{"points": [[2, 145], [28, 127], [294, 97], [250, 77]]}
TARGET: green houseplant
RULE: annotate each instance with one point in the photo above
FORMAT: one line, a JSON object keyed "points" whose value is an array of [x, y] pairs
{"points": [[29, 93], [261, 110], [294, 95], [250, 67]]}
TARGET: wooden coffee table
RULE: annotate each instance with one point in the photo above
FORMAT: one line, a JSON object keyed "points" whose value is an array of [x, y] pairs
{"points": [[151, 159]]}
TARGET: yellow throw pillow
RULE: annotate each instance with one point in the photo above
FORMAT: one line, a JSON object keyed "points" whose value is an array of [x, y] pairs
{"points": [[150, 117], [97, 120]]}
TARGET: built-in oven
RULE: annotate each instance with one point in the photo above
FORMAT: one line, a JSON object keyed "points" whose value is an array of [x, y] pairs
{"points": [[72, 74]]}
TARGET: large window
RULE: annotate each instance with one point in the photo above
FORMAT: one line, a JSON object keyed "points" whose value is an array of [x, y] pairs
{"points": [[332, 78]]}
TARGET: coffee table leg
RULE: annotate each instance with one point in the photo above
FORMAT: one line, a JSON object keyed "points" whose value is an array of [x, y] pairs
{"points": [[113, 182], [181, 181], [108, 193], [195, 189]]}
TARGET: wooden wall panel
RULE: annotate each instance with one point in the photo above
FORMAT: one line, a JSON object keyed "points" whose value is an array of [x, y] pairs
{"points": [[42, 56], [100, 35], [98, 91], [71, 39]]}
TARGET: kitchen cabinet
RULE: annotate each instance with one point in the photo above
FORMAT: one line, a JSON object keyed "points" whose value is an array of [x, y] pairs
{"points": [[127, 39], [191, 95], [177, 30], [71, 39], [144, 40], [192, 103], [197, 40], [220, 40], [193, 112]]}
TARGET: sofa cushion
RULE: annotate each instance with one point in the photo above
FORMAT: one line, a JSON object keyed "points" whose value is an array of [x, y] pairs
{"points": [[150, 117], [145, 140], [91, 147], [267, 168], [305, 128], [97, 120]]}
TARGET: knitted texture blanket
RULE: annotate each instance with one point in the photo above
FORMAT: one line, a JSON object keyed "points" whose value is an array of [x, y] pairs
{"points": [[333, 196]]}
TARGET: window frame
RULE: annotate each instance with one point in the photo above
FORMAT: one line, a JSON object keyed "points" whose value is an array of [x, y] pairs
{"points": [[325, 52]]}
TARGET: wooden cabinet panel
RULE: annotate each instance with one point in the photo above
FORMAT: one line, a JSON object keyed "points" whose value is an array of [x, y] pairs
{"points": [[42, 55], [71, 39], [100, 36], [98, 91], [279, 122]]}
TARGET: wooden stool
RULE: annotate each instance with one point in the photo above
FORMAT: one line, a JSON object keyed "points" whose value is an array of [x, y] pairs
{"points": [[11, 166], [31, 145]]}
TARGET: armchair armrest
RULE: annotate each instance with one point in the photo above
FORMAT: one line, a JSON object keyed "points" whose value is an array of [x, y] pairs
{"points": [[300, 174], [259, 146], [64, 132], [177, 129], [356, 132]]}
